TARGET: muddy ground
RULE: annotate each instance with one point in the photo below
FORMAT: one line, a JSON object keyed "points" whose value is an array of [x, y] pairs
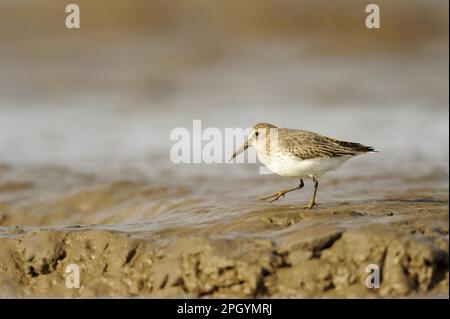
{"points": [[131, 238]]}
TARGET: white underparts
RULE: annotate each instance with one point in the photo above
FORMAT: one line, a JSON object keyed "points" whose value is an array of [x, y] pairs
{"points": [[288, 165]]}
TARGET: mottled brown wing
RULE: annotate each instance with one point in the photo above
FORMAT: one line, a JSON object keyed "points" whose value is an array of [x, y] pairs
{"points": [[309, 145]]}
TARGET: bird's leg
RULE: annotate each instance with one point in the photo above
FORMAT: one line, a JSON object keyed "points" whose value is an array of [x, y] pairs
{"points": [[312, 201], [281, 193]]}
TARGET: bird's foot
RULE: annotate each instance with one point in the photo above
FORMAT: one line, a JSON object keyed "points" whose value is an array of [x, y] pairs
{"points": [[310, 205], [275, 196]]}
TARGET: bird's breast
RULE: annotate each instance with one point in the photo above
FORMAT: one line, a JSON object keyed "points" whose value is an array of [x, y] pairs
{"points": [[289, 165]]}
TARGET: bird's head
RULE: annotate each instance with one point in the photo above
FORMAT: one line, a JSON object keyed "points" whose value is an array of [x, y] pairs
{"points": [[257, 135]]}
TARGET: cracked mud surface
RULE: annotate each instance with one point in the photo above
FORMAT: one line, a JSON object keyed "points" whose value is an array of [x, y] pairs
{"points": [[132, 239]]}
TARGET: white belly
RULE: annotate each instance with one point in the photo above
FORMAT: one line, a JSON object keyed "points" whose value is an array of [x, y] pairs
{"points": [[295, 167]]}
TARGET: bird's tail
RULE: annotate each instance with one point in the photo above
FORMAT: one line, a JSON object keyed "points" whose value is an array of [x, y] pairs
{"points": [[357, 147]]}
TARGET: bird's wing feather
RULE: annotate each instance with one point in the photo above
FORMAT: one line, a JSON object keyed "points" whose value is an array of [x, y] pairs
{"points": [[309, 145]]}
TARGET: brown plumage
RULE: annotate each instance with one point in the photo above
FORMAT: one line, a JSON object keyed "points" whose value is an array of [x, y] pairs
{"points": [[309, 145]]}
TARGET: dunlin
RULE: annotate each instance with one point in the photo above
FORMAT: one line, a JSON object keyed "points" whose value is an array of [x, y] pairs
{"points": [[298, 153]]}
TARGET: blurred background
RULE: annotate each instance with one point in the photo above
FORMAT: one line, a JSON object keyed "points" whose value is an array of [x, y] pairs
{"points": [[107, 95]]}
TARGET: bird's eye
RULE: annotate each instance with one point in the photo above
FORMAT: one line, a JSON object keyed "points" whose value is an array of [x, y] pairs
{"points": [[256, 133]]}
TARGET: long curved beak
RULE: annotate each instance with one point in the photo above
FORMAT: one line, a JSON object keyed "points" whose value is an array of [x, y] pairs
{"points": [[240, 150]]}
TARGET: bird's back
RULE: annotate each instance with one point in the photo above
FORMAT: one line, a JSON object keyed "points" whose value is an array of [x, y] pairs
{"points": [[310, 145]]}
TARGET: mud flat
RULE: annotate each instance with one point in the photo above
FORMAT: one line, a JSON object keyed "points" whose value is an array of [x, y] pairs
{"points": [[132, 239]]}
